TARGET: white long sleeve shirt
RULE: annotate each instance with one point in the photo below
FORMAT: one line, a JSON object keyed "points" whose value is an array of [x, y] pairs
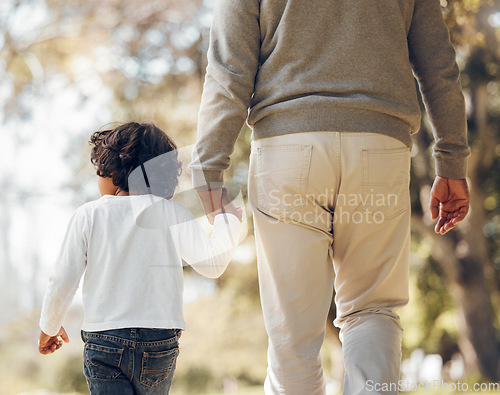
{"points": [[131, 250]]}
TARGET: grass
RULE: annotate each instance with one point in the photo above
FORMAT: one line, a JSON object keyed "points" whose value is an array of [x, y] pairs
{"points": [[258, 390], [450, 393], [254, 390]]}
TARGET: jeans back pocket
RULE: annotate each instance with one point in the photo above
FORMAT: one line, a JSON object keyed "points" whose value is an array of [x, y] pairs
{"points": [[158, 366], [103, 362]]}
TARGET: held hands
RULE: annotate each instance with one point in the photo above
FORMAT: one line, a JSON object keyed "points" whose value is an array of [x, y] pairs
{"points": [[216, 201], [449, 200], [48, 344]]}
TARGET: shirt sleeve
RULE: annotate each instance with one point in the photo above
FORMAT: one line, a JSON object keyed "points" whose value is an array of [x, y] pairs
{"points": [[233, 61], [209, 256], [433, 61], [63, 282]]}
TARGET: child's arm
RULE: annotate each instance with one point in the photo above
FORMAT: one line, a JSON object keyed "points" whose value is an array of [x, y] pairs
{"points": [[209, 256], [63, 283], [48, 344]]}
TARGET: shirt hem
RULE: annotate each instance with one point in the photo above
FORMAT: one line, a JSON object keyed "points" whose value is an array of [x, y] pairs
{"points": [[104, 326]]}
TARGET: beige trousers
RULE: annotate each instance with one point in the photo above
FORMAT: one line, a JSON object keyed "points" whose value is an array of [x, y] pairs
{"points": [[331, 209]]}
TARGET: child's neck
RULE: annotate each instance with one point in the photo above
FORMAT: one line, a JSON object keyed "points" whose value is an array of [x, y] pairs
{"points": [[121, 192]]}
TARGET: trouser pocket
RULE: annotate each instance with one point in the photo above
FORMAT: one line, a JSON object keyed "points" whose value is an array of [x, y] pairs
{"points": [[102, 362], [158, 366], [281, 176], [386, 178]]}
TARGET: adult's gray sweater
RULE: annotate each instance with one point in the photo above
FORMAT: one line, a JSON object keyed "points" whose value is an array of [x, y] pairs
{"points": [[288, 66]]}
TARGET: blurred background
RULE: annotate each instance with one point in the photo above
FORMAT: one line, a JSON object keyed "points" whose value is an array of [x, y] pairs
{"points": [[69, 67]]}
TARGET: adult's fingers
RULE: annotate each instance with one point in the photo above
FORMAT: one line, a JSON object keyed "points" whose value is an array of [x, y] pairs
{"points": [[439, 225], [459, 217], [434, 206], [452, 220]]}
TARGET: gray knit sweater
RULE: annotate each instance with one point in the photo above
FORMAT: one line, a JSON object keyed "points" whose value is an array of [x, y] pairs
{"points": [[288, 66]]}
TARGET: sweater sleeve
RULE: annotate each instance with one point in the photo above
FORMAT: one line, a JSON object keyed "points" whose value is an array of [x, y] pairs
{"points": [[233, 61], [63, 282], [433, 61], [209, 256]]}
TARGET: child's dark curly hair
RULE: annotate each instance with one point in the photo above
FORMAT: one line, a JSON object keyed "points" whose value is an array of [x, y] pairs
{"points": [[117, 152]]}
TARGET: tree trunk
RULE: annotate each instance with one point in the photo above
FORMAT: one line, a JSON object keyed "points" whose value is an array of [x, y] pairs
{"points": [[463, 253]]}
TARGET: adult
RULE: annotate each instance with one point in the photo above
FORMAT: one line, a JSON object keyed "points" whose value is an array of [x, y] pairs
{"points": [[328, 89]]}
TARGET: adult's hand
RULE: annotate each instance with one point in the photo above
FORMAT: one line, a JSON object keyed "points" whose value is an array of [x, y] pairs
{"points": [[449, 201], [215, 201]]}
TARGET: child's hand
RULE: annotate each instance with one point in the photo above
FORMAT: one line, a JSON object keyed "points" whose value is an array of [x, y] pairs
{"points": [[235, 210], [231, 209], [48, 344]]}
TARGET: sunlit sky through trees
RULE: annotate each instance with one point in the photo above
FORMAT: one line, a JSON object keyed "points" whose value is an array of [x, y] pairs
{"points": [[46, 119]]}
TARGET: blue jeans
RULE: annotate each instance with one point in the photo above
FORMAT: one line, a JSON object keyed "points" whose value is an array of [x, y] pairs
{"points": [[130, 360]]}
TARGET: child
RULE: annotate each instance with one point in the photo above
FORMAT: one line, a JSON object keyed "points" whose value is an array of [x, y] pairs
{"points": [[132, 288]]}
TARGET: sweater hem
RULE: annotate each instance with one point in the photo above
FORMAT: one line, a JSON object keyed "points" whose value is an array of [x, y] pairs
{"points": [[333, 120]]}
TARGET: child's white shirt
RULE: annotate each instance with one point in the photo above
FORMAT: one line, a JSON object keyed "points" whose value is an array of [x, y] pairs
{"points": [[131, 250]]}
